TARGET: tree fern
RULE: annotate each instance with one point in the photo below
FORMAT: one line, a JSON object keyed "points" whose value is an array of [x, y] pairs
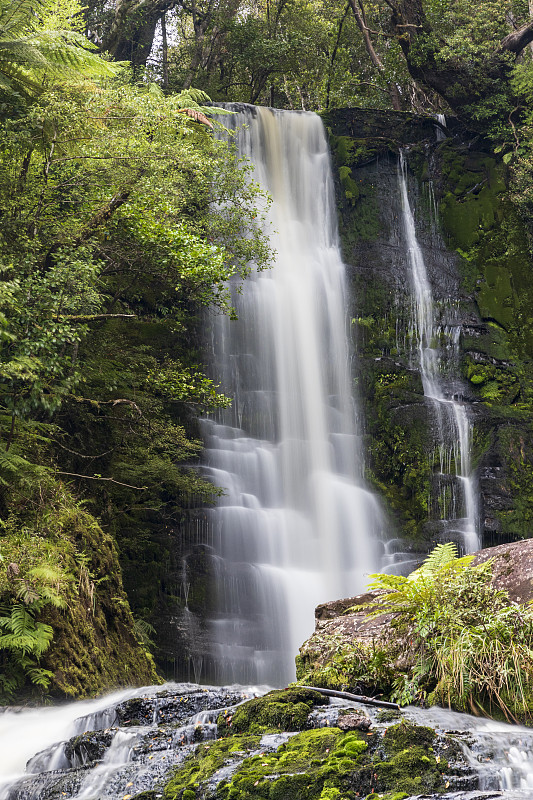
{"points": [[30, 56]]}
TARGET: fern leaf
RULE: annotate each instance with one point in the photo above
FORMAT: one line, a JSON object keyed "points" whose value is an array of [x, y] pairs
{"points": [[442, 555], [196, 115]]}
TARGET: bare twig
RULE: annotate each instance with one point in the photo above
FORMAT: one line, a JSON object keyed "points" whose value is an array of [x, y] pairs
{"points": [[81, 455], [98, 478]]}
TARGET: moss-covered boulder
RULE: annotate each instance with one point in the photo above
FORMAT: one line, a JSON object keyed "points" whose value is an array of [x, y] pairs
{"points": [[285, 710], [319, 764]]}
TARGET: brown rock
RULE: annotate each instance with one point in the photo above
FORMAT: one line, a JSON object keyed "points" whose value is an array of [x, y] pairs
{"points": [[338, 628], [354, 722], [512, 569]]}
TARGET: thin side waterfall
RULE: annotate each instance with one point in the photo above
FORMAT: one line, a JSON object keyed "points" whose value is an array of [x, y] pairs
{"points": [[454, 428], [296, 526]]}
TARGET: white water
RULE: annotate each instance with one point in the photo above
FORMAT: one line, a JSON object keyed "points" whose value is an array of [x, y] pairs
{"points": [[440, 133], [455, 430], [297, 526], [23, 733], [32, 741], [500, 754]]}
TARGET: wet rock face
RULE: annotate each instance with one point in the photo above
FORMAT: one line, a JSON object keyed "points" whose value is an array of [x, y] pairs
{"points": [[403, 427], [149, 735], [88, 747], [458, 197], [167, 708]]}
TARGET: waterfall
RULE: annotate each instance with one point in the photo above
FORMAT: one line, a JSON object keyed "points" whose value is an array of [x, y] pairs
{"points": [[454, 428], [296, 525]]}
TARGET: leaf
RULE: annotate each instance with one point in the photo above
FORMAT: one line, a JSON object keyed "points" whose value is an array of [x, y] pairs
{"points": [[196, 115]]}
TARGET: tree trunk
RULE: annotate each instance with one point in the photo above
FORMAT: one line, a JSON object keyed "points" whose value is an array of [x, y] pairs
{"points": [[165, 50], [131, 33], [375, 59], [517, 40], [530, 6]]}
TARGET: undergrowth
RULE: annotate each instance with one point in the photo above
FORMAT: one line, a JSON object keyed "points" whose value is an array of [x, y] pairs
{"points": [[470, 647]]}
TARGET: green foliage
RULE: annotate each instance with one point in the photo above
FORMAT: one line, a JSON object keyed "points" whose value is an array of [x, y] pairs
{"points": [[32, 55], [349, 666], [122, 217], [470, 647], [65, 623], [22, 642], [23, 637]]}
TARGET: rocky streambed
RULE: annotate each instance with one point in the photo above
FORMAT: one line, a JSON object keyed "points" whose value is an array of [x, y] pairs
{"points": [[189, 742]]}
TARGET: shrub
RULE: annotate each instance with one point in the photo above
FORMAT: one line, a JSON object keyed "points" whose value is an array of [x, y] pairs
{"points": [[470, 647]]}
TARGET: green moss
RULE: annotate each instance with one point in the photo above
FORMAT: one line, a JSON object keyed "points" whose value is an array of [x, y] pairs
{"points": [[202, 765], [319, 764], [406, 734], [388, 796], [482, 223], [94, 647], [359, 220], [309, 763], [514, 445], [278, 710]]}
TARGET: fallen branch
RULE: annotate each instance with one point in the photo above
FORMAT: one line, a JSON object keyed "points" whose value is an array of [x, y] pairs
{"points": [[97, 478], [357, 698]]}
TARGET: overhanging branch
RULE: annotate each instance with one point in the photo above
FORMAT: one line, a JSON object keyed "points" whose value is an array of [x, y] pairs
{"points": [[517, 40]]}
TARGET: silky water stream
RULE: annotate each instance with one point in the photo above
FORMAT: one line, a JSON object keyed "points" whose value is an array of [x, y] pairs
{"points": [[296, 526]]}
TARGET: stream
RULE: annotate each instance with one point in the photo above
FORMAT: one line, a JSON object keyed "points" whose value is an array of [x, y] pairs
{"points": [[118, 746]]}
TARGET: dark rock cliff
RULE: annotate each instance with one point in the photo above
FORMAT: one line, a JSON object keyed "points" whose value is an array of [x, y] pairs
{"points": [[478, 264]]}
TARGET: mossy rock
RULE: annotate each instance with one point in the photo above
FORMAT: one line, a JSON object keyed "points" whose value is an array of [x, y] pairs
{"points": [[318, 764], [204, 763], [285, 710], [94, 646], [404, 735]]}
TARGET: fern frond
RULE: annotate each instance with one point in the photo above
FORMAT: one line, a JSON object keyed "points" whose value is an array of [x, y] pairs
{"points": [[39, 677], [441, 556]]}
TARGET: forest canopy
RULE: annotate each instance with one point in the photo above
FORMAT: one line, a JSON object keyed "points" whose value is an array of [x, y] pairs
{"points": [[123, 215]]}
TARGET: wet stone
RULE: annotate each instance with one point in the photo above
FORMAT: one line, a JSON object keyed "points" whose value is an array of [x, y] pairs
{"points": [[353, 722], [90, 746], [167, 708]]}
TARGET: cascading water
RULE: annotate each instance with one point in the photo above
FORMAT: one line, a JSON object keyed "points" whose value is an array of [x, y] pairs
{"points": [[454, 428], [296, 526], [136, 757]]}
